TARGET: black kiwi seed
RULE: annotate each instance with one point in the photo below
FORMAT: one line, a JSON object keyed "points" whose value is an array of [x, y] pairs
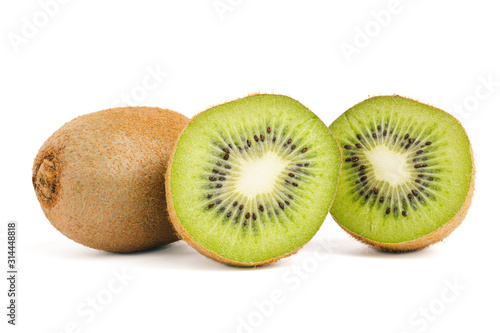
{"points": [[226, 157], [262, 137], [405, 214], [247, 216], [235, 203], [407, 136], [358, 145], [269, 130], [256, 138], [261, 208], [254, 216], [212, 178], [358, 136], [304, 150], [347, 147], [249, 144]]}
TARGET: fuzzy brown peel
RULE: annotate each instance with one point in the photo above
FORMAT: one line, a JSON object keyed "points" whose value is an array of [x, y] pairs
{"points": [[99, 178]]}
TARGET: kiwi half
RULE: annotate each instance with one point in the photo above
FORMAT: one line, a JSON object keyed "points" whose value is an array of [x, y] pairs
{"points": [[251, 181], [100, 178], [408, 174]]}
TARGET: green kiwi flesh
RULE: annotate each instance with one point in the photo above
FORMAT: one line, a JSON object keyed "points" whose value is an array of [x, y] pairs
{"points": [[407, 176], [252, 180]]}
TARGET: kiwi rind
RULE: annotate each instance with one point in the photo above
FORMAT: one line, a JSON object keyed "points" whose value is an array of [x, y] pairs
{"points": [[185, 235], [100, 178], [436, 235]]}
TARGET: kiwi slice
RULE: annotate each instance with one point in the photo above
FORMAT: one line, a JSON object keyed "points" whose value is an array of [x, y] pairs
{"points": [[251, 181], [100, 178], [408, 173]]}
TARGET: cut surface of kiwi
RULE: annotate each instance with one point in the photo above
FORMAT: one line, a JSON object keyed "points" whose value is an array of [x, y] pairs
{"points": [[408, 174], [252, 180]]}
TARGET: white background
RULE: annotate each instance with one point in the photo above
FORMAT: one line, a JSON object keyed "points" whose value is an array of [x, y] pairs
{"points": [[88, 54]]}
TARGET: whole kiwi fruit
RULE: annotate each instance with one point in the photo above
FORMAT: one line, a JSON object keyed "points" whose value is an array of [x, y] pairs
{"points": [[100, 178]]}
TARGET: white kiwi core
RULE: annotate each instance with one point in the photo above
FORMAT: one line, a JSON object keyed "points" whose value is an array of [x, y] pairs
{"points": [[260, 175], [389, 165]]}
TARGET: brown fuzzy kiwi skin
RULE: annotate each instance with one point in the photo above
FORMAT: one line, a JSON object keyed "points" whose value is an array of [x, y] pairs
{"points": [[434, 237], [100, 178], [182, 232]]}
